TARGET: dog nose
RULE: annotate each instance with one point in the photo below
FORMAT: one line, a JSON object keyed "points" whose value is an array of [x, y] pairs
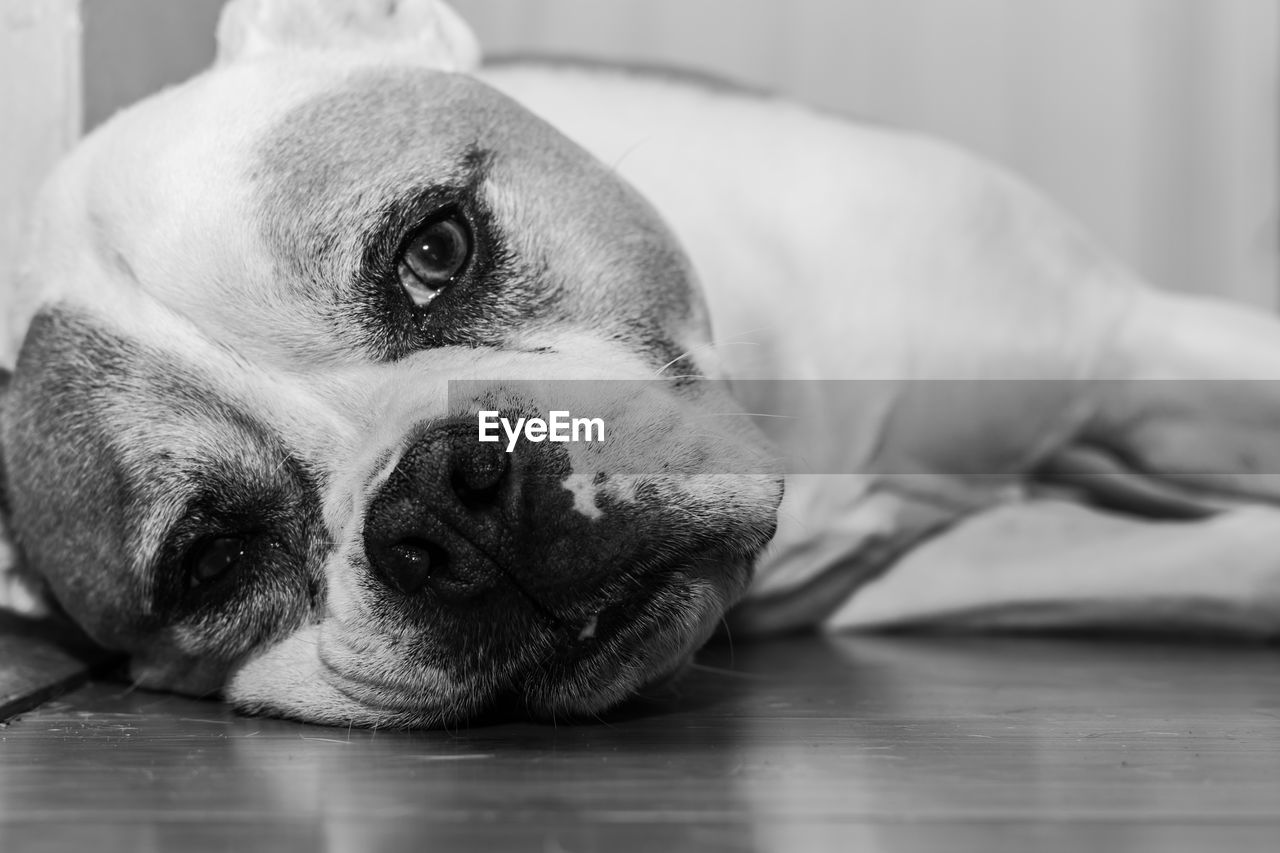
{"points": [[425, 525]]}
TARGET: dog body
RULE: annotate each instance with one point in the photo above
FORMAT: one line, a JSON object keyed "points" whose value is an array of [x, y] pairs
{"points": [[952, 349], [230, 448]]}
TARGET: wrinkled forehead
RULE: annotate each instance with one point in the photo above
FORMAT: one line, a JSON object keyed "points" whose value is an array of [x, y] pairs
{"points": [[326, 121], [342, 158], [257, 201]]}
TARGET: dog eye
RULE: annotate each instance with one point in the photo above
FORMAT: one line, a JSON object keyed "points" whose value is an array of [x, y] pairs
{"points": [[211, 559], [433, 256]]}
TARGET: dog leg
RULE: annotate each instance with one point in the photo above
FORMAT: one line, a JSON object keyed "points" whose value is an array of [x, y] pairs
{"points": [[1179, 431], [1051, 564], [1196, 405], [1184, 437]]}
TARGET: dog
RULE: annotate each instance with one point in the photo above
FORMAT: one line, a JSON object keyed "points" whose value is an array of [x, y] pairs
{"points": [[845, 377]]}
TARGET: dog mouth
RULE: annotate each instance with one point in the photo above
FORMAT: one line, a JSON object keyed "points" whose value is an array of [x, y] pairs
{"points": [[547, 625], [639, 625], [637, 631], [621, 643], [630, 611], [479, 592]]}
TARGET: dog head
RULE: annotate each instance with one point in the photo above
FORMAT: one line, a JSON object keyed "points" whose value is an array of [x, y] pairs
{"points": [[229, 443]]}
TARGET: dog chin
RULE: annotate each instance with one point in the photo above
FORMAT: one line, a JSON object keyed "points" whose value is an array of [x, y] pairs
{"points": [[633, 658], [595, 660]]}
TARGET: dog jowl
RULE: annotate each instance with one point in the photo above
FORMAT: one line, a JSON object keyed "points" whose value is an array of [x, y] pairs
{"points": [[229, 446]]}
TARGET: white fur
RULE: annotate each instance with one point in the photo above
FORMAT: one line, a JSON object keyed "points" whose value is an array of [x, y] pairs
{"points": [[885, 256], [17, 594], [892, 256], [427, 32]]}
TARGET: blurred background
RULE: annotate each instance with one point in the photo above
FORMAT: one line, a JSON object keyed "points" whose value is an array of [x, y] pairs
{"points": [[1157, 122]]}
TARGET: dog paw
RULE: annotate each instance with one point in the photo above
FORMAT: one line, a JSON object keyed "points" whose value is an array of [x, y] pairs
{"points": [[425, 32], [18, 593]]}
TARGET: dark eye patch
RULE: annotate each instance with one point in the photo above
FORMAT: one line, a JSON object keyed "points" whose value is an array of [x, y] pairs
{"points": [[433, 257], [220, 557], [481, 300], [343, 180], [129, 456], [242, 557]]}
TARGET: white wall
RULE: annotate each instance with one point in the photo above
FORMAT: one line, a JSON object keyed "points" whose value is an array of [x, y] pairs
{"points": [[134, 47], [39, 108]]}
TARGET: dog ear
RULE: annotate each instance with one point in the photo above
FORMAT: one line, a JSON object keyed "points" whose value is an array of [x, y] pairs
{"points": [[426, 32], [17, 591]]}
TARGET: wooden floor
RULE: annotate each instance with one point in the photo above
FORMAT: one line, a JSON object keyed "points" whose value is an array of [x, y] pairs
{"points": [[851, 744]]}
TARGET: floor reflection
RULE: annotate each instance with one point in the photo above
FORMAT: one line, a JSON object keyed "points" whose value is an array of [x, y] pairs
{"points": [[892, 742]]}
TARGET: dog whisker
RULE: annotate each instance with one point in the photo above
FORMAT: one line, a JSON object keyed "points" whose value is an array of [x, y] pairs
{"points": [[725, 672], [742, 414], [285, 459], [741, 335], [631, 149], [689, 353], [681, 357], [728, 636]]}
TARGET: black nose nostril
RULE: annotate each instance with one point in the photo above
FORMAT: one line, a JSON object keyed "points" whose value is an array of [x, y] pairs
{"points": [[475, 497], [477, 477], [427, 526], [410, 564]]}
